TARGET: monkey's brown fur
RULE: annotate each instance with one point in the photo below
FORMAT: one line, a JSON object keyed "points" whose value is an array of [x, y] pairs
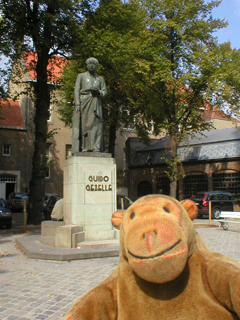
{"points": [[165, 271]]}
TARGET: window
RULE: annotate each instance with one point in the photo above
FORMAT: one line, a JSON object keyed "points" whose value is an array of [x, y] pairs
{"points": [[7, 178], [194, 183], [163, 185], [68, 150], [48, 154], [195, 153], [6, 151], [150, 126], [50, 113], [128, 122], [227, 181]]}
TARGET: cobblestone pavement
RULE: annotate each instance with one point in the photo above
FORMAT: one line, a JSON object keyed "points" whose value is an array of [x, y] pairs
{"points": [[37, 289], [224, 242]]}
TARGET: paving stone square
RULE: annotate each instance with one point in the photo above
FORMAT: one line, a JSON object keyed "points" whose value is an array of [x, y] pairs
{"points": [[38, 289]]}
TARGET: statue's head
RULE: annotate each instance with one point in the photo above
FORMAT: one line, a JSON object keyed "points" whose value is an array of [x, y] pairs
{"points": [[92, 64]]}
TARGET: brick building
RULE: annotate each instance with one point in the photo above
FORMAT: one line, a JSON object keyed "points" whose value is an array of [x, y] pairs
{"points": [[16, 131], [14, 149], [210, 161]]}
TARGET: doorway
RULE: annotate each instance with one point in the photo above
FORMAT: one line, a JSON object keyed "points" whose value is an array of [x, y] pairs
{"points": [[144, 188], [10, 187], [7, 185]]}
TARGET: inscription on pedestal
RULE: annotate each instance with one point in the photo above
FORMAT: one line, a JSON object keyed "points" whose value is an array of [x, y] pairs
{"points": [[95, 186], [98, 187]]}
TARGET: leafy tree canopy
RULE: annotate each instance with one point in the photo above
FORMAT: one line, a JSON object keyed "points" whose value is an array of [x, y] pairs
{"points": [[107, 35], [177, 67], [47, 28]]}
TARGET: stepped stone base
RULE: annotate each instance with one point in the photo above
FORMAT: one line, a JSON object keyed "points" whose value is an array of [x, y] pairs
{"points": [[99, 244], [68, 236], [49, 228], [61, 236]]}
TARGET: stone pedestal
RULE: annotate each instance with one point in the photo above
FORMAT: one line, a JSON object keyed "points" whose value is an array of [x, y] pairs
{"points": [[49, 228], [90, 194], [68, 236]]}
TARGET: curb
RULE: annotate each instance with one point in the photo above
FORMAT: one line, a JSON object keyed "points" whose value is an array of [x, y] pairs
{"points": [[34, 249]]}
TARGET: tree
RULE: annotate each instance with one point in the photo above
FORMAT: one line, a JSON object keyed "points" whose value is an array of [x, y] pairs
{"points": [[48, 28], [175, 70], [106, 35], [227, 82]]}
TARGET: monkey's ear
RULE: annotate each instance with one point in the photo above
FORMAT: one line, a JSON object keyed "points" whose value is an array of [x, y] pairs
{"points": [[191, 208], [117, 218]]}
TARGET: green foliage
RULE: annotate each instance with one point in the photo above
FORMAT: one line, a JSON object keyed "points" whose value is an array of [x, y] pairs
{"points": [[174, 64], [177, 67], [161, 63], [106, 35], [66, 103], [174, 166], [47, 28], [227, 83]]}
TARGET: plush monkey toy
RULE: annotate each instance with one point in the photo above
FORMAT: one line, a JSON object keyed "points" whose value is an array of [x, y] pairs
{"points": [[165, 271]]}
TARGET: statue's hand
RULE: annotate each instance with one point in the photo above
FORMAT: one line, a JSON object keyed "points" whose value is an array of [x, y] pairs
{"points": [[77, 108], [94, 91]]}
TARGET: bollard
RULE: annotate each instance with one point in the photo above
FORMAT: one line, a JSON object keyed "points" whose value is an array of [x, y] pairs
{"points": [[122, 204], [210, 212], [25, 215]]}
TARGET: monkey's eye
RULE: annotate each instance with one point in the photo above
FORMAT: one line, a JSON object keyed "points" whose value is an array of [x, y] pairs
{"points": [[166, 209], [132, 215]]}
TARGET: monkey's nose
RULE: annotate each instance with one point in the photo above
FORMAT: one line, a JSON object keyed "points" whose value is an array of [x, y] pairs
{"points": [[150, 238], [151, 233]]}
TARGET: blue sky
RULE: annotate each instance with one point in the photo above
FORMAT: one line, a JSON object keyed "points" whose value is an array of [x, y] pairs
{"points": [[230, 10]]}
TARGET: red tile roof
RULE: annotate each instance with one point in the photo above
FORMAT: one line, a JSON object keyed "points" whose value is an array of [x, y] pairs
{"points": [[209, 114], [55, 66], [10, 114]]}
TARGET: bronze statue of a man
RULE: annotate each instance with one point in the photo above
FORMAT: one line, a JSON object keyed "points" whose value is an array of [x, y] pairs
{"points": [[90, 88]]}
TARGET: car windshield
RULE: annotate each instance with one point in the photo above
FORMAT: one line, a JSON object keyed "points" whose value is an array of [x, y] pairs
{"points": [[198, 197], [21, 195], [127, 200], [219, 196]]}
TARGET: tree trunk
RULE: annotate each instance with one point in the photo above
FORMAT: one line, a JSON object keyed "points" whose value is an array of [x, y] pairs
{"points": [[112, 131], [173, 189], [174, 166], [112, 139], [39, 161]]}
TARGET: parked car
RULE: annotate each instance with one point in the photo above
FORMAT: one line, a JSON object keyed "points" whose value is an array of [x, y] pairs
{"points": [[15, 201], [126, 202], [5, 215], [220, 201], [46, 199], [51, 202]]}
